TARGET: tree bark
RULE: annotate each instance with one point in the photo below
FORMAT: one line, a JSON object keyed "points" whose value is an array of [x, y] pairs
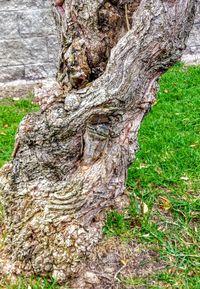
{"points": [[70, 162]]}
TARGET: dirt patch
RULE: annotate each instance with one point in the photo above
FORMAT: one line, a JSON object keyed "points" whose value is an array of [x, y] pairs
{"points": [[109, 264], [114, 261]]}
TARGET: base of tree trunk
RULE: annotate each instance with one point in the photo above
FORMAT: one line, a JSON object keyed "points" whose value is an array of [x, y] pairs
{"points": [[61, 250], [105, 266]]}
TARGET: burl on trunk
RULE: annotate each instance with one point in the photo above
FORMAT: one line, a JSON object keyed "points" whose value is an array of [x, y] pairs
{"points": [[70, 161]]}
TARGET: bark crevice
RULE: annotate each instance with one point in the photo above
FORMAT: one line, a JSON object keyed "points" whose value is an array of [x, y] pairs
{"points": [[95, 29]]}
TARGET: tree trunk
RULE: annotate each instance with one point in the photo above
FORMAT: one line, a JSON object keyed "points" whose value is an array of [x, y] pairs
{"points": [[70, 161]]}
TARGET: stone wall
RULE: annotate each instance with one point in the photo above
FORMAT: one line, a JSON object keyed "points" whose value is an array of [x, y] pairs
{"points": [[192, 52], [28, 42]]}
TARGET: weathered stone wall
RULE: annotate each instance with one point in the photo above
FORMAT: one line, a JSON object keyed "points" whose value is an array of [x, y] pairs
{"points": [[28, 42], [192, 53]]}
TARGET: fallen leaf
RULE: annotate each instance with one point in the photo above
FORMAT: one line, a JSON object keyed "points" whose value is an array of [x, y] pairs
{"points": [[145, 208], [165, 203], [184, 178], [194, 145], [191, 274], [155, 102], [143, 166], [172, 270], [124, 262]]}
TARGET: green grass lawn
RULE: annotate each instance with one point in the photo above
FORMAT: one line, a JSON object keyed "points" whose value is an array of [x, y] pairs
{"points": [[11, 113], [164, 182]]}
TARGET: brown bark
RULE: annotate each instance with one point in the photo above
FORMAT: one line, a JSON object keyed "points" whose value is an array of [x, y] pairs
{"points": [[71, 158]]}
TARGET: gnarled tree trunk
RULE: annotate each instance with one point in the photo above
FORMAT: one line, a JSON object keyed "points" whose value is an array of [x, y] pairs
{"points": [[70, 161]]}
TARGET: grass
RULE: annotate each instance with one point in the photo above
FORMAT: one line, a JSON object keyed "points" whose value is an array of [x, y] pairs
{"points": [[32, 283], [163, 182], [11, 113]]}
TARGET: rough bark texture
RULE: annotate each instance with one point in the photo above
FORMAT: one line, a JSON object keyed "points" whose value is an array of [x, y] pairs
{"points": [[70, 162]]}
